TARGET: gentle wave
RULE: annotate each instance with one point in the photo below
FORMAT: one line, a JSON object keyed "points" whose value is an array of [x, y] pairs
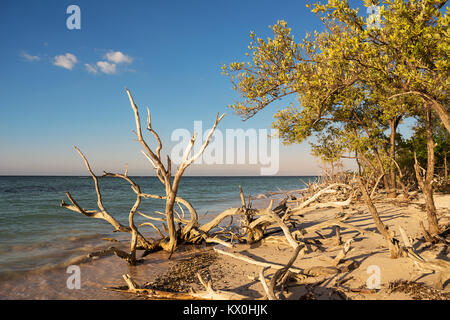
{"points": [[36, 234]]}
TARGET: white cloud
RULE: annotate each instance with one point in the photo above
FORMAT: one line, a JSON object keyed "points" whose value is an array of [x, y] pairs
{"points": [[118, 57], [90, 68], [66, 61], [109, 64], [29, 57], [106, 67]]}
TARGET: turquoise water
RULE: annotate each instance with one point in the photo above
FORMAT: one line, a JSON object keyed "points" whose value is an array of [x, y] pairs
{"points": [[35, 232]]}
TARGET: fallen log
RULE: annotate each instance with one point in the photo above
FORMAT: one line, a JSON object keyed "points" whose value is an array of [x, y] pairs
{"points": [[269, 294], [211, 294], [438, 266], [150, 293], [341, 255], [280, 273], [219, 241], [258, 263], [282, 225], [328, 189], [215, 222]]}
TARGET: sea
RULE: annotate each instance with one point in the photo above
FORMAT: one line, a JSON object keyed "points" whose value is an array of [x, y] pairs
{"points": [[36, 233]]}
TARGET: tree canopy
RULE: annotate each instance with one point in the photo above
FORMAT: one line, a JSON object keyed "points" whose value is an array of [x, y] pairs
{"points": [[355, 81]]}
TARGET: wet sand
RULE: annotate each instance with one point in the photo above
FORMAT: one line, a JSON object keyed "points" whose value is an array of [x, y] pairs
{"points": [[95, 276], [234, 275]]}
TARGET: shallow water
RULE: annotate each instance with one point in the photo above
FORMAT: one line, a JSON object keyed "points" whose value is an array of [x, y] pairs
{"points": [[95, 276], [38, 237]]}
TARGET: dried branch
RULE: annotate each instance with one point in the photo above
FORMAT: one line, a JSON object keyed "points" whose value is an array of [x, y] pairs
{"points": [[211, 294], [258, 263], [269, 294], [282, 225], [439, 266], [341, 255], [281, 272], [154, 227]]}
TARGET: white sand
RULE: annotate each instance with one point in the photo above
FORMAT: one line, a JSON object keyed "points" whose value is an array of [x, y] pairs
{"points": [[235, 275], [367, 251]]}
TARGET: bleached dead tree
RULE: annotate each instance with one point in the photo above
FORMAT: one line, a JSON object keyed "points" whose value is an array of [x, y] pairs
{"points": [[253, 221], [171, 183], [164, 173]]}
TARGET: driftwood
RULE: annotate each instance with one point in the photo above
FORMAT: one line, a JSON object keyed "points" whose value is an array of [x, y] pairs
{"points": [[254, 224], [150, 293], [269, 294], [103, 214], [218, 241], [328, 189], [438, 266], [282, 225], [338, 235], [258, 263], [164, 173], [219, 218], [341, 255], [280, 273], [191, 232], [211, 294], [334, 204]]}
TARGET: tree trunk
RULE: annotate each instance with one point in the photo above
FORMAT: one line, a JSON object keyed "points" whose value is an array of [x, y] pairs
{"points": [[393, 243], [442, 113], [440, 109], [387, 185], [392, 174], [377, 156], [357, 162], [433, 225], [445, 170], [170, 222]]}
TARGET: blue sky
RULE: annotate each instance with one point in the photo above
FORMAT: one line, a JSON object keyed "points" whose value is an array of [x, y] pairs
{"points": [[168, 53]]}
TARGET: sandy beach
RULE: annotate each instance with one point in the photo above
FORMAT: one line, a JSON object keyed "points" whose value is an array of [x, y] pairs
{"points": [[399, 278], [367, 251]]}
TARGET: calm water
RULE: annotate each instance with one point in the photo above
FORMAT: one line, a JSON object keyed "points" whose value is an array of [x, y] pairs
{"points": [[36, 233]]}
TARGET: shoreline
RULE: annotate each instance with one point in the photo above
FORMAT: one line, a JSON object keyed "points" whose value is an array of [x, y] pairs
{"points": [[230, 274], [36, 232], [20, 284]]}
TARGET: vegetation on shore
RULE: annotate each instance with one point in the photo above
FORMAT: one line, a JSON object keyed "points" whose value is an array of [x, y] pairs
{"points": [[356, 82], [356, 85]]}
